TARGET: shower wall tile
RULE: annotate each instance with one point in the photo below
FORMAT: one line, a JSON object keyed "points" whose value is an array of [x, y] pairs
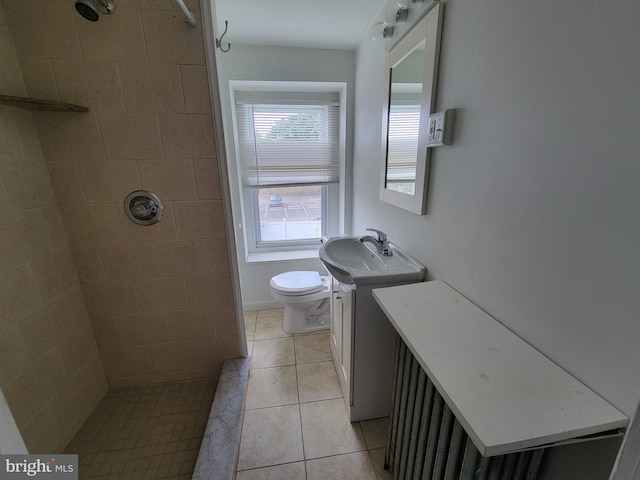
{"points": [[55, 26], [187, 135], [169, 179], [29, 391], [195, 82], [18, 293], [23, 237], [163, 288], [217, 254], [130, 135], [118, 37], [67, 183], [170, 40], [191, 324], [109, 182], [209, 290], [128, 261], [161, 294], [93, 84], [77, 349], [12, 83], [150, 87], [143, 328], [167, 357], [44, 329], [47, 339], [202, 219], [180, 258], [126, 361], [156, 4], [26, 183], [54, 274], [9, 143], [212, 352], [27, 134], [111, 298], [4, 203], [38, 78], [88, 263], [225, 321], [93, 224], [107, 331], [70, 137], [55, 228], [13, 352], [207, 178]]}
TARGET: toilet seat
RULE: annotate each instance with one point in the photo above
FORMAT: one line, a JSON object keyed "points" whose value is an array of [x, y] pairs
{"points": [[297, 283]]}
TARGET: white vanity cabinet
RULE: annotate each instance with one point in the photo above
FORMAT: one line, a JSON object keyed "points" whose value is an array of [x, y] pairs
{"points": [[362, 346], [341, 338]]}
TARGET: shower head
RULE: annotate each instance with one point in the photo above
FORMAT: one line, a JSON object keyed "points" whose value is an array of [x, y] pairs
{"points": [[90, 9]]}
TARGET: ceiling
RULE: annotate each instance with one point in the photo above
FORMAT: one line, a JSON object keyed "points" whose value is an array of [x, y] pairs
{"points": [[332, 24]]}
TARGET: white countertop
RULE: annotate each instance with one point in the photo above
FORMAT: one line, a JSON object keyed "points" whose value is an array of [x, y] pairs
{"points": [[506, 394]]}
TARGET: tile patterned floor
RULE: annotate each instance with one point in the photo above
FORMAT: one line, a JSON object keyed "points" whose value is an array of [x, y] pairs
{"points": [[296, 425], [144, 433]]}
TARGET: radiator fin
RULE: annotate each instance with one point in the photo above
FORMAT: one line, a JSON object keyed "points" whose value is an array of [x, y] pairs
{"points": [[426, 442]]}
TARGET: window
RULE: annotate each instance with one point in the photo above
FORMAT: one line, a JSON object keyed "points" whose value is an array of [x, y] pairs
{"points": [[289, 153]]}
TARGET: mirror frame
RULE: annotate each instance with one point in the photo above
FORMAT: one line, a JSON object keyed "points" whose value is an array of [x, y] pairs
{"points": [[428, 29]]}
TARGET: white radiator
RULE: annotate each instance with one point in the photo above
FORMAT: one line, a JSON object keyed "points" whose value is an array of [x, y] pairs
{"points": [[426, 442]]}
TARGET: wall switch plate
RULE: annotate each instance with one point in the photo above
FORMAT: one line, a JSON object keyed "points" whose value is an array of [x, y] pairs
{"points": [[440, 128]]}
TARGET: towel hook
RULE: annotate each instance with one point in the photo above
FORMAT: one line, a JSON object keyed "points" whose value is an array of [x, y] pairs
{"points": [[219, 41]]}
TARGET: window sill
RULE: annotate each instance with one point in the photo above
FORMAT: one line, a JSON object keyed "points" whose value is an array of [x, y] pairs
{"points": [[282, 255]]}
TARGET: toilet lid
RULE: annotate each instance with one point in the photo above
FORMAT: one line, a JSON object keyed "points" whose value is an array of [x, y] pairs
{"points": [[297, 282]]}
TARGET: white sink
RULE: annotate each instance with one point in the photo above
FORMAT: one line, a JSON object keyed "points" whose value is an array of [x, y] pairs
{"points": [[353, 262]]}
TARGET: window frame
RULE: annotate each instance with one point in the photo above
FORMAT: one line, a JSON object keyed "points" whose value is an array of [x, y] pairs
{"points": [[332, 195]]}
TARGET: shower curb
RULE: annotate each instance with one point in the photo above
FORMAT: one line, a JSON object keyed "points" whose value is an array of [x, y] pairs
{"points": [[221, 442]]}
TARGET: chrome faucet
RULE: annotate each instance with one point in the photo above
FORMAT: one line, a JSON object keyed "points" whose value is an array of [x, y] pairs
{"points": [[381, 242]]}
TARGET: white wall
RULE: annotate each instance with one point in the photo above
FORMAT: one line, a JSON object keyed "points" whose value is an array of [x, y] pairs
{"points": [[263, 63], [10, 439], [534, 211]]}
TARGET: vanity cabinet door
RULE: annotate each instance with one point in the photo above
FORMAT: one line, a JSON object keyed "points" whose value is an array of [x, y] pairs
{"points": [[341, 335], [336, 322]]}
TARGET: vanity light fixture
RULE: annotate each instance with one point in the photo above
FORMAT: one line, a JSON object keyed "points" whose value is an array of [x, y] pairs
{"points": [[395, 12]]}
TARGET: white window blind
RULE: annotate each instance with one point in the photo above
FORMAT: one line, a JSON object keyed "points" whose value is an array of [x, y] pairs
{"points": [[402, 146], [287, 140]]}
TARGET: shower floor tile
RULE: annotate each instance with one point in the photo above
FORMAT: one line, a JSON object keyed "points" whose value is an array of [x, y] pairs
{"points": [[145, 432]]}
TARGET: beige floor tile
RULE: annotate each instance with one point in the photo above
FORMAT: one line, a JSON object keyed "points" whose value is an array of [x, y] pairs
{"points": [[289, 471], [327, 431], [377, 457], [271, 387], [354, 466], [274, 352], [312, 348], [270, 327], [318, 381], [271, 312], [250, 325], [375, 432], [270, 436]]}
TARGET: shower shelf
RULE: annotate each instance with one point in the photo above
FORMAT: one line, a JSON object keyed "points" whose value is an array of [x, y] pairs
{"points": [[42, 105]]}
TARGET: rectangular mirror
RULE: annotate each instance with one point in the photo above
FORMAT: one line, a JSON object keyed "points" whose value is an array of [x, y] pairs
{"points": [[411, 71]]}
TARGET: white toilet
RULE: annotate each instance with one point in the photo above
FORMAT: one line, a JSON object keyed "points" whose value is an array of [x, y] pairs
{"points": [[305, 296]]}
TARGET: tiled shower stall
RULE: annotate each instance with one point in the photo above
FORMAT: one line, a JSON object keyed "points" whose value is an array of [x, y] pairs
{"points": [[89, 300]]}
